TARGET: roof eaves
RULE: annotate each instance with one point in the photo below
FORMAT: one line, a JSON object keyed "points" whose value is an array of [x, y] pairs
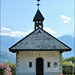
{"points": [[16, 50]]}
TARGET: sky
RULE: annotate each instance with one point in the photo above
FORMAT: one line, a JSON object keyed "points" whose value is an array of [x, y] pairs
{"points": [[17, 17]]}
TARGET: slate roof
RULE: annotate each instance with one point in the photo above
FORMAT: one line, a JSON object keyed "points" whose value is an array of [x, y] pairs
{"points": [[38, 16], [55, 44]]}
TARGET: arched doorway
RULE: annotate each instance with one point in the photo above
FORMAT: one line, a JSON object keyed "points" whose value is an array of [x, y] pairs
{"points": [[39, 66]]}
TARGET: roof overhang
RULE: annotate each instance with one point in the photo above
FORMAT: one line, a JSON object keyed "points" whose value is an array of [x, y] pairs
{"points": [[61, 50]]}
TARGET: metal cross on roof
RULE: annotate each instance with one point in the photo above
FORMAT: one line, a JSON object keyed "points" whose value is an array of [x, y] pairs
{"points": [[38, 4]]}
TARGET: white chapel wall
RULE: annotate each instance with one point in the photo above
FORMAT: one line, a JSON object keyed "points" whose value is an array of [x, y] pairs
{"points": [[24, 57]]}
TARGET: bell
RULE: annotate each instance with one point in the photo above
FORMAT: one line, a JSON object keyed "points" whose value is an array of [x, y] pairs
{"points": [[38, 0]]}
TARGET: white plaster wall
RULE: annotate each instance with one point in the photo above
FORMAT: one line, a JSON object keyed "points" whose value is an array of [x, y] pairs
{"points": [[24, 57]]}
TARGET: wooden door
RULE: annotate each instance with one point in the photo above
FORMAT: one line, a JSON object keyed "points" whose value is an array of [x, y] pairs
{"points": [[39, 66]]}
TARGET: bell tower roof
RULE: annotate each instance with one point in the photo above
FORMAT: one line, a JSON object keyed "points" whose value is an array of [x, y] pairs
{"points": [[38, 16]]}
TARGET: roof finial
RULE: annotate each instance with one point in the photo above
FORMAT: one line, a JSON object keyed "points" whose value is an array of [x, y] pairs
{"points": [[38, 3]]}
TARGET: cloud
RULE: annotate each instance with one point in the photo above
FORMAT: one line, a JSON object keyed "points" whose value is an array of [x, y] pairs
{"points": [[5, 29], [4, 34], [65, 18], [9, 32], [49, 30], [15, 33]]}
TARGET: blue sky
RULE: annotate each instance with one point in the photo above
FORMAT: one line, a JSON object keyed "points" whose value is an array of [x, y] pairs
{"points": [[17, 16]]}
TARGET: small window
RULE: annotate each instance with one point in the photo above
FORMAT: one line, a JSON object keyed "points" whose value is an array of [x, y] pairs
{"points": [[48, 64], [36, 21], [39, 21], [30, 64]]}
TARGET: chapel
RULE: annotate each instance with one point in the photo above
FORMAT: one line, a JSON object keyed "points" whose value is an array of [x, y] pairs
{"points": [[39, 53]]}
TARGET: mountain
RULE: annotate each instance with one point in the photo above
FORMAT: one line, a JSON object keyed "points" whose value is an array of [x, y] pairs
{"points": [[7, 57], [69, 41], [7, 42]]}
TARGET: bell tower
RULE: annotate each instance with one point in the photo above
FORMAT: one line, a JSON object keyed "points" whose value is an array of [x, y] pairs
{"points": [[38, 18]]}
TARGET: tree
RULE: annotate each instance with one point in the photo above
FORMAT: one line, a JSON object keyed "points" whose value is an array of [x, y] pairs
{"points": [[13, 67], [68, 65], [5, 69], [70, 59]]}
